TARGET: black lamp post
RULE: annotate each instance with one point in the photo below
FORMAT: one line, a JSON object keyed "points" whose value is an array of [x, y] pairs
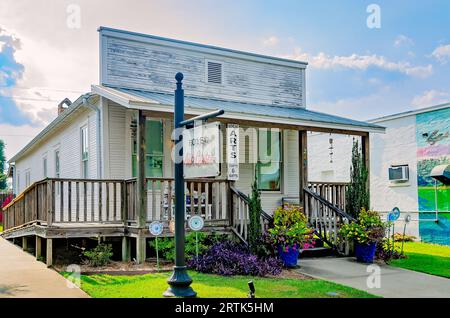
{"points": [[179, 281]]}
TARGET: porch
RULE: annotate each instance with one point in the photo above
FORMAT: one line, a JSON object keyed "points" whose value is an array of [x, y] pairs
{"points": [[116, 207]]}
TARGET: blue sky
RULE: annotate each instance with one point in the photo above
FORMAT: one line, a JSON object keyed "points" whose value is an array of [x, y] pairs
{"points": [[354, 71]]}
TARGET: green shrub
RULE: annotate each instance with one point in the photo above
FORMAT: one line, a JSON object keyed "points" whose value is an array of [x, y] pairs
{"points": [[166, 245], [399, 237], [100, 255], [368, 229]]}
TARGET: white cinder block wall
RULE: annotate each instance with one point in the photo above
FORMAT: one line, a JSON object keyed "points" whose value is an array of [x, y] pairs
{"points": [[397, 146]]}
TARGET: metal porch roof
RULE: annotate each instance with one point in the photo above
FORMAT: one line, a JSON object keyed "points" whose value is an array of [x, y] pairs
{"points": [[257, 112]]}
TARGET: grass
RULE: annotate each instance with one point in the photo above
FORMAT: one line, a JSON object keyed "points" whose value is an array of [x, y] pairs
{"points": [[1, 228], [213, 286], [425, 257]]}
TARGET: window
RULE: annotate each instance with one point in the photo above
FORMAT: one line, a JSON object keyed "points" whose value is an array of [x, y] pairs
{"points": [[84, 152], [57, 171], [44, 167], [27, 178], [214, 72], [268, 167], [18, 183], [57, 167], [154, 146]]}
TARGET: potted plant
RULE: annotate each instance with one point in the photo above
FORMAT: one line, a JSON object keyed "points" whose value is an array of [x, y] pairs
{"points": [[366, 233], [290, 232]]}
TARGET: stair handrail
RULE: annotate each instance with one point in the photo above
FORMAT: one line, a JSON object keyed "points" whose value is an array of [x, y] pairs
{"points": [[244, 197], [329, 205]]}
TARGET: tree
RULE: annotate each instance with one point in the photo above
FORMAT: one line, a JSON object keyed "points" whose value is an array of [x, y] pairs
{"points": [[357, 195], [254, 227], [3, 177]]}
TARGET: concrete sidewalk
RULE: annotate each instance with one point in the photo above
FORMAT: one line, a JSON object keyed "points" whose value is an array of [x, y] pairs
{"points": [[22, 276], [394, 282]]}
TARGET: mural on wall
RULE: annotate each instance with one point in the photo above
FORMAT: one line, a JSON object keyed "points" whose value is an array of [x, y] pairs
{"points": [[433, 148]]}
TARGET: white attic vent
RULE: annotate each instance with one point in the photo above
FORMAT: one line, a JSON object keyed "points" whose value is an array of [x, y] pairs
{"points": [[214, 72]]}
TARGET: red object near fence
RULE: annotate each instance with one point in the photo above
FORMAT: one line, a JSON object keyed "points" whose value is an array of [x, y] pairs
{"points": [[5, 202]]}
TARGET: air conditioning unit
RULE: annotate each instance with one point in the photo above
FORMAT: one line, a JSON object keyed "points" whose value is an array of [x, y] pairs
{"points": [[399, 173]]}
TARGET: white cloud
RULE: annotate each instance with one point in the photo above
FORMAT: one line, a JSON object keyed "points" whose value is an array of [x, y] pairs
{"points": [[270, 41], [403, 40], [361, 62], [442, 53], [429, 98]]}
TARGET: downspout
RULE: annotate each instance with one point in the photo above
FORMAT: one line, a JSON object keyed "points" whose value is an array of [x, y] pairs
{"points": [[98, 133]]}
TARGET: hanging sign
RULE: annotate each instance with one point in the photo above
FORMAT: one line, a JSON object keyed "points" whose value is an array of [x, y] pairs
{"points": [[233, 152], [201, 151]]}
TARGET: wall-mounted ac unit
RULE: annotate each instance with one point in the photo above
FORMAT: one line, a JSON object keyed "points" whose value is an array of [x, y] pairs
{"points": [[399, 173]]}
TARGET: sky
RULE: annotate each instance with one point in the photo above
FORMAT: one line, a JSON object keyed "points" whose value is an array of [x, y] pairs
{"points": [[366, 58]]}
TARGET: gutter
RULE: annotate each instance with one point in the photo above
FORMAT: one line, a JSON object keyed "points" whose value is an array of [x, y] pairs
{"points": [[98, 132]]}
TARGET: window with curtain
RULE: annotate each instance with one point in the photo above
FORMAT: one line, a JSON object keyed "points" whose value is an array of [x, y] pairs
{"points": [[268, 168], [84, 152], [154, 146]]}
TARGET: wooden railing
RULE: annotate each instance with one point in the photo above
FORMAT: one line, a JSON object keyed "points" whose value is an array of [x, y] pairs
{"points": [[206, 197], [240, 215], [326, 218], [57, 201], [67, 201], [333, 192]]}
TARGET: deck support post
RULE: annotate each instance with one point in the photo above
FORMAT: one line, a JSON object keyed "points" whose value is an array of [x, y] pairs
{"points": [[49, 258], [140, 247], [24, 243], [38, 249], [303, 165], [365, 149], [126, 256], [141, 187]]}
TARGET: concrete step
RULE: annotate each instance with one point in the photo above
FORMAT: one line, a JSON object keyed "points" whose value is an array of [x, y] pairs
{"points": [[317, 252]]}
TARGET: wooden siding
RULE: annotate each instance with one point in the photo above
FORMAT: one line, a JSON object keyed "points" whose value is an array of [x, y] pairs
{"points": [[67, 140], [149, 66]]}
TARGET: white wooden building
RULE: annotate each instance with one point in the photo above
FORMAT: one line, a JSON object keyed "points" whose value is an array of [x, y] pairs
{"points": [[87, 164]]}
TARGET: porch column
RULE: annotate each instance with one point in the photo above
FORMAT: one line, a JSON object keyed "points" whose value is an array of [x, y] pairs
{"points": [[365, 149], [141, 187], [303, 164]]}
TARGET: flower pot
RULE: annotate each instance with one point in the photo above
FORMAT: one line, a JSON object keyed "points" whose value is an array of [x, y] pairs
{"points": [[365, 252], [289, 257]]}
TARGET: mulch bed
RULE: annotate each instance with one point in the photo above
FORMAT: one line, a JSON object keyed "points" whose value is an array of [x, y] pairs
{"points": [[116, 268]]}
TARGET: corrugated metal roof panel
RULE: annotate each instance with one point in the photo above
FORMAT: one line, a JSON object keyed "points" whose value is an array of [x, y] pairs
{"points": [[296, 113]]}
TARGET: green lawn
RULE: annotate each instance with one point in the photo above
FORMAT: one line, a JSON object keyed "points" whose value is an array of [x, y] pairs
{"points": [[425, 257], [212, 286]]}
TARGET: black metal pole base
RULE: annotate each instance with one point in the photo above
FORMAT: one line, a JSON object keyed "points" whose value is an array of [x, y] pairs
{"points": [[180, 284]]}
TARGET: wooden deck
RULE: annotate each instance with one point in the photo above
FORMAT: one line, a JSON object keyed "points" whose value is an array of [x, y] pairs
{"points": [[91, 208]]}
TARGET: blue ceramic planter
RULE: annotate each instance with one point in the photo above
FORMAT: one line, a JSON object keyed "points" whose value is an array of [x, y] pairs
{"points": [[290, 257], [365, 253]]}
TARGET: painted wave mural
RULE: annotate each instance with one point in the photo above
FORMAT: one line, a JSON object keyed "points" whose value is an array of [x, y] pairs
{"points": [[433, 148]]}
